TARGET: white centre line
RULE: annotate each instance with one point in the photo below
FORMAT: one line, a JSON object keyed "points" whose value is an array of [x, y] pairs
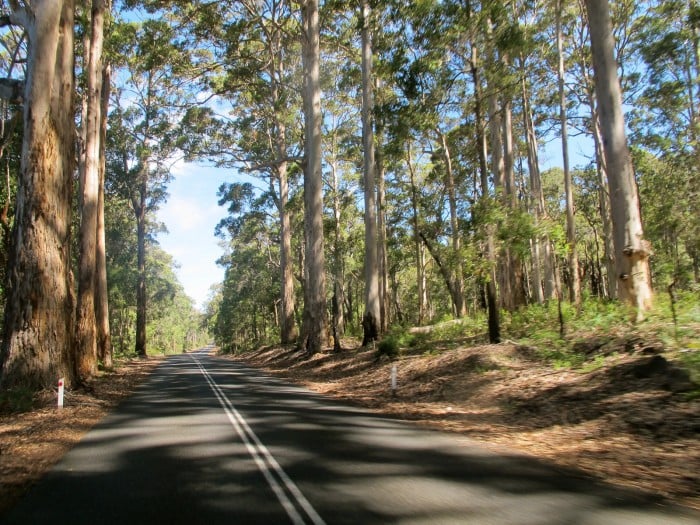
{"points": [[264, 459]]}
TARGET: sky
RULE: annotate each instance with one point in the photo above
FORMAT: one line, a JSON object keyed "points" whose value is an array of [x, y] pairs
{"points": [[191, 213]]}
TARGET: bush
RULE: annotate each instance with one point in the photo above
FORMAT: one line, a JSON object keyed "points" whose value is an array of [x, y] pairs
{"points": [[389, 346]]}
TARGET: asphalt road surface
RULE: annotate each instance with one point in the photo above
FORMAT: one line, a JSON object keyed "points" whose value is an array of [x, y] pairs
{"points": [[206, 440]]}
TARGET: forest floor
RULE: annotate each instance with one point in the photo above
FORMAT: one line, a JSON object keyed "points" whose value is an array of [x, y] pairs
{"points": [[32, 441], [627, 414]]}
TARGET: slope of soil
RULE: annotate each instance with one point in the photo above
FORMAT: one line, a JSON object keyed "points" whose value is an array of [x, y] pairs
{"points": [[628, 418], [32, 442]]}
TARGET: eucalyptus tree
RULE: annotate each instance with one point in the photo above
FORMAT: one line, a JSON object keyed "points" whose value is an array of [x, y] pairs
{"points": [[665, 121], [428, 95], [245, 307], [38, 322], [251, 119], [313, 336], [91, 186], [575, 281], [174, 325], [142, 129], [632, 250], [371, 320], [342, 158]]}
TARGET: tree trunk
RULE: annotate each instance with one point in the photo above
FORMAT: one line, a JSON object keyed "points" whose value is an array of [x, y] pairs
{"points": [[513, 267], [418, 245], [575, 284], [372, 317], [288, 327], [490, 281], [535, 188], [631, 249], [338, 318], [86, 331], [288, 323], [140, 209], [37, 344], [604, 205], [382, 258], [104, 338], [314, 336], [457, 283], [603, 190]]}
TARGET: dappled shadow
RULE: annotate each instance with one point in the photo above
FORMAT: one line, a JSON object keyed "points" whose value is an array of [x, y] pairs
{"points": [[170, 455], [639, 390]]}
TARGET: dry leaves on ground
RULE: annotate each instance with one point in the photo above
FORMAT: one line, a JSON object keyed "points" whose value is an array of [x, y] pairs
{"points": [[32, 442], [616, 423]]}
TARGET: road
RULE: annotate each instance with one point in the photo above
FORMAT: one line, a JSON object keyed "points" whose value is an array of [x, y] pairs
{"points": [[207, 440]]}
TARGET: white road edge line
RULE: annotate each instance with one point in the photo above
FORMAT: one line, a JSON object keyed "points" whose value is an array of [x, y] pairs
{"points": [[258, 449]]}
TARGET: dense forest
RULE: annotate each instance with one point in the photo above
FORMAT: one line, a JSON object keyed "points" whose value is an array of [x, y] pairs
{"points": [[412, 161]]}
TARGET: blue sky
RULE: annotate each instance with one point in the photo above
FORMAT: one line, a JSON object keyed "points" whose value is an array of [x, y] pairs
{"points": [[191, 214]]}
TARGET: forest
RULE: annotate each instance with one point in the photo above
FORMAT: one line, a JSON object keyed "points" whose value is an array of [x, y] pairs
{"points": [[406, 163]]}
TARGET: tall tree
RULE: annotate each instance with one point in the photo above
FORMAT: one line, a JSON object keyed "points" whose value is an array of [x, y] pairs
{"points": [[575, 280], [38, 326], [104, 336], [253, 67], [91, 160], [142, 134], [631, 249], [371, 319], [314, 336]]}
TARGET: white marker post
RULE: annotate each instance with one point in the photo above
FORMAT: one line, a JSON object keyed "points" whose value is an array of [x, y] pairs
{"points": [[393, 379], [60, 392]]}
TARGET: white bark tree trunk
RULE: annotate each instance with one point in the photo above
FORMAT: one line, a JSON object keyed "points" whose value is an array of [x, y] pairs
{"points": [[372, 317], [631, 249], [575, 283], [314, 336], [86, 332]]}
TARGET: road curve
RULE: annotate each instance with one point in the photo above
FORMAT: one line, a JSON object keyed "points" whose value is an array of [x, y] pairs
{"points": [[207, 440]]}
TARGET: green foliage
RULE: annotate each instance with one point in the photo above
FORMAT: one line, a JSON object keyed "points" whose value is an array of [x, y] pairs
{"points": [[389, 347], [691, 362]]}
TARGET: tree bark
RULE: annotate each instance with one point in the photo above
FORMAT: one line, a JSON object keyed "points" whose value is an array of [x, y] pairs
{"points": [[535, 189], [418, 245], [457, 283], [382, 258], [314, 336], [513, 274], [490, 281], [631, 249], [371, 318], [141, 297], [86, 331], [37, 343], [104, 337], [288, 327], [338, 320]]}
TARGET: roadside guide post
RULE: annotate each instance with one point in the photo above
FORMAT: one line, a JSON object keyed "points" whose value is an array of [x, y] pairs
{"points": [[60, 392]]}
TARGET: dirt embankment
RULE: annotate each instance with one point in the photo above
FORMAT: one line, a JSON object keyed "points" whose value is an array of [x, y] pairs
{"points": [[624, 416]]}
